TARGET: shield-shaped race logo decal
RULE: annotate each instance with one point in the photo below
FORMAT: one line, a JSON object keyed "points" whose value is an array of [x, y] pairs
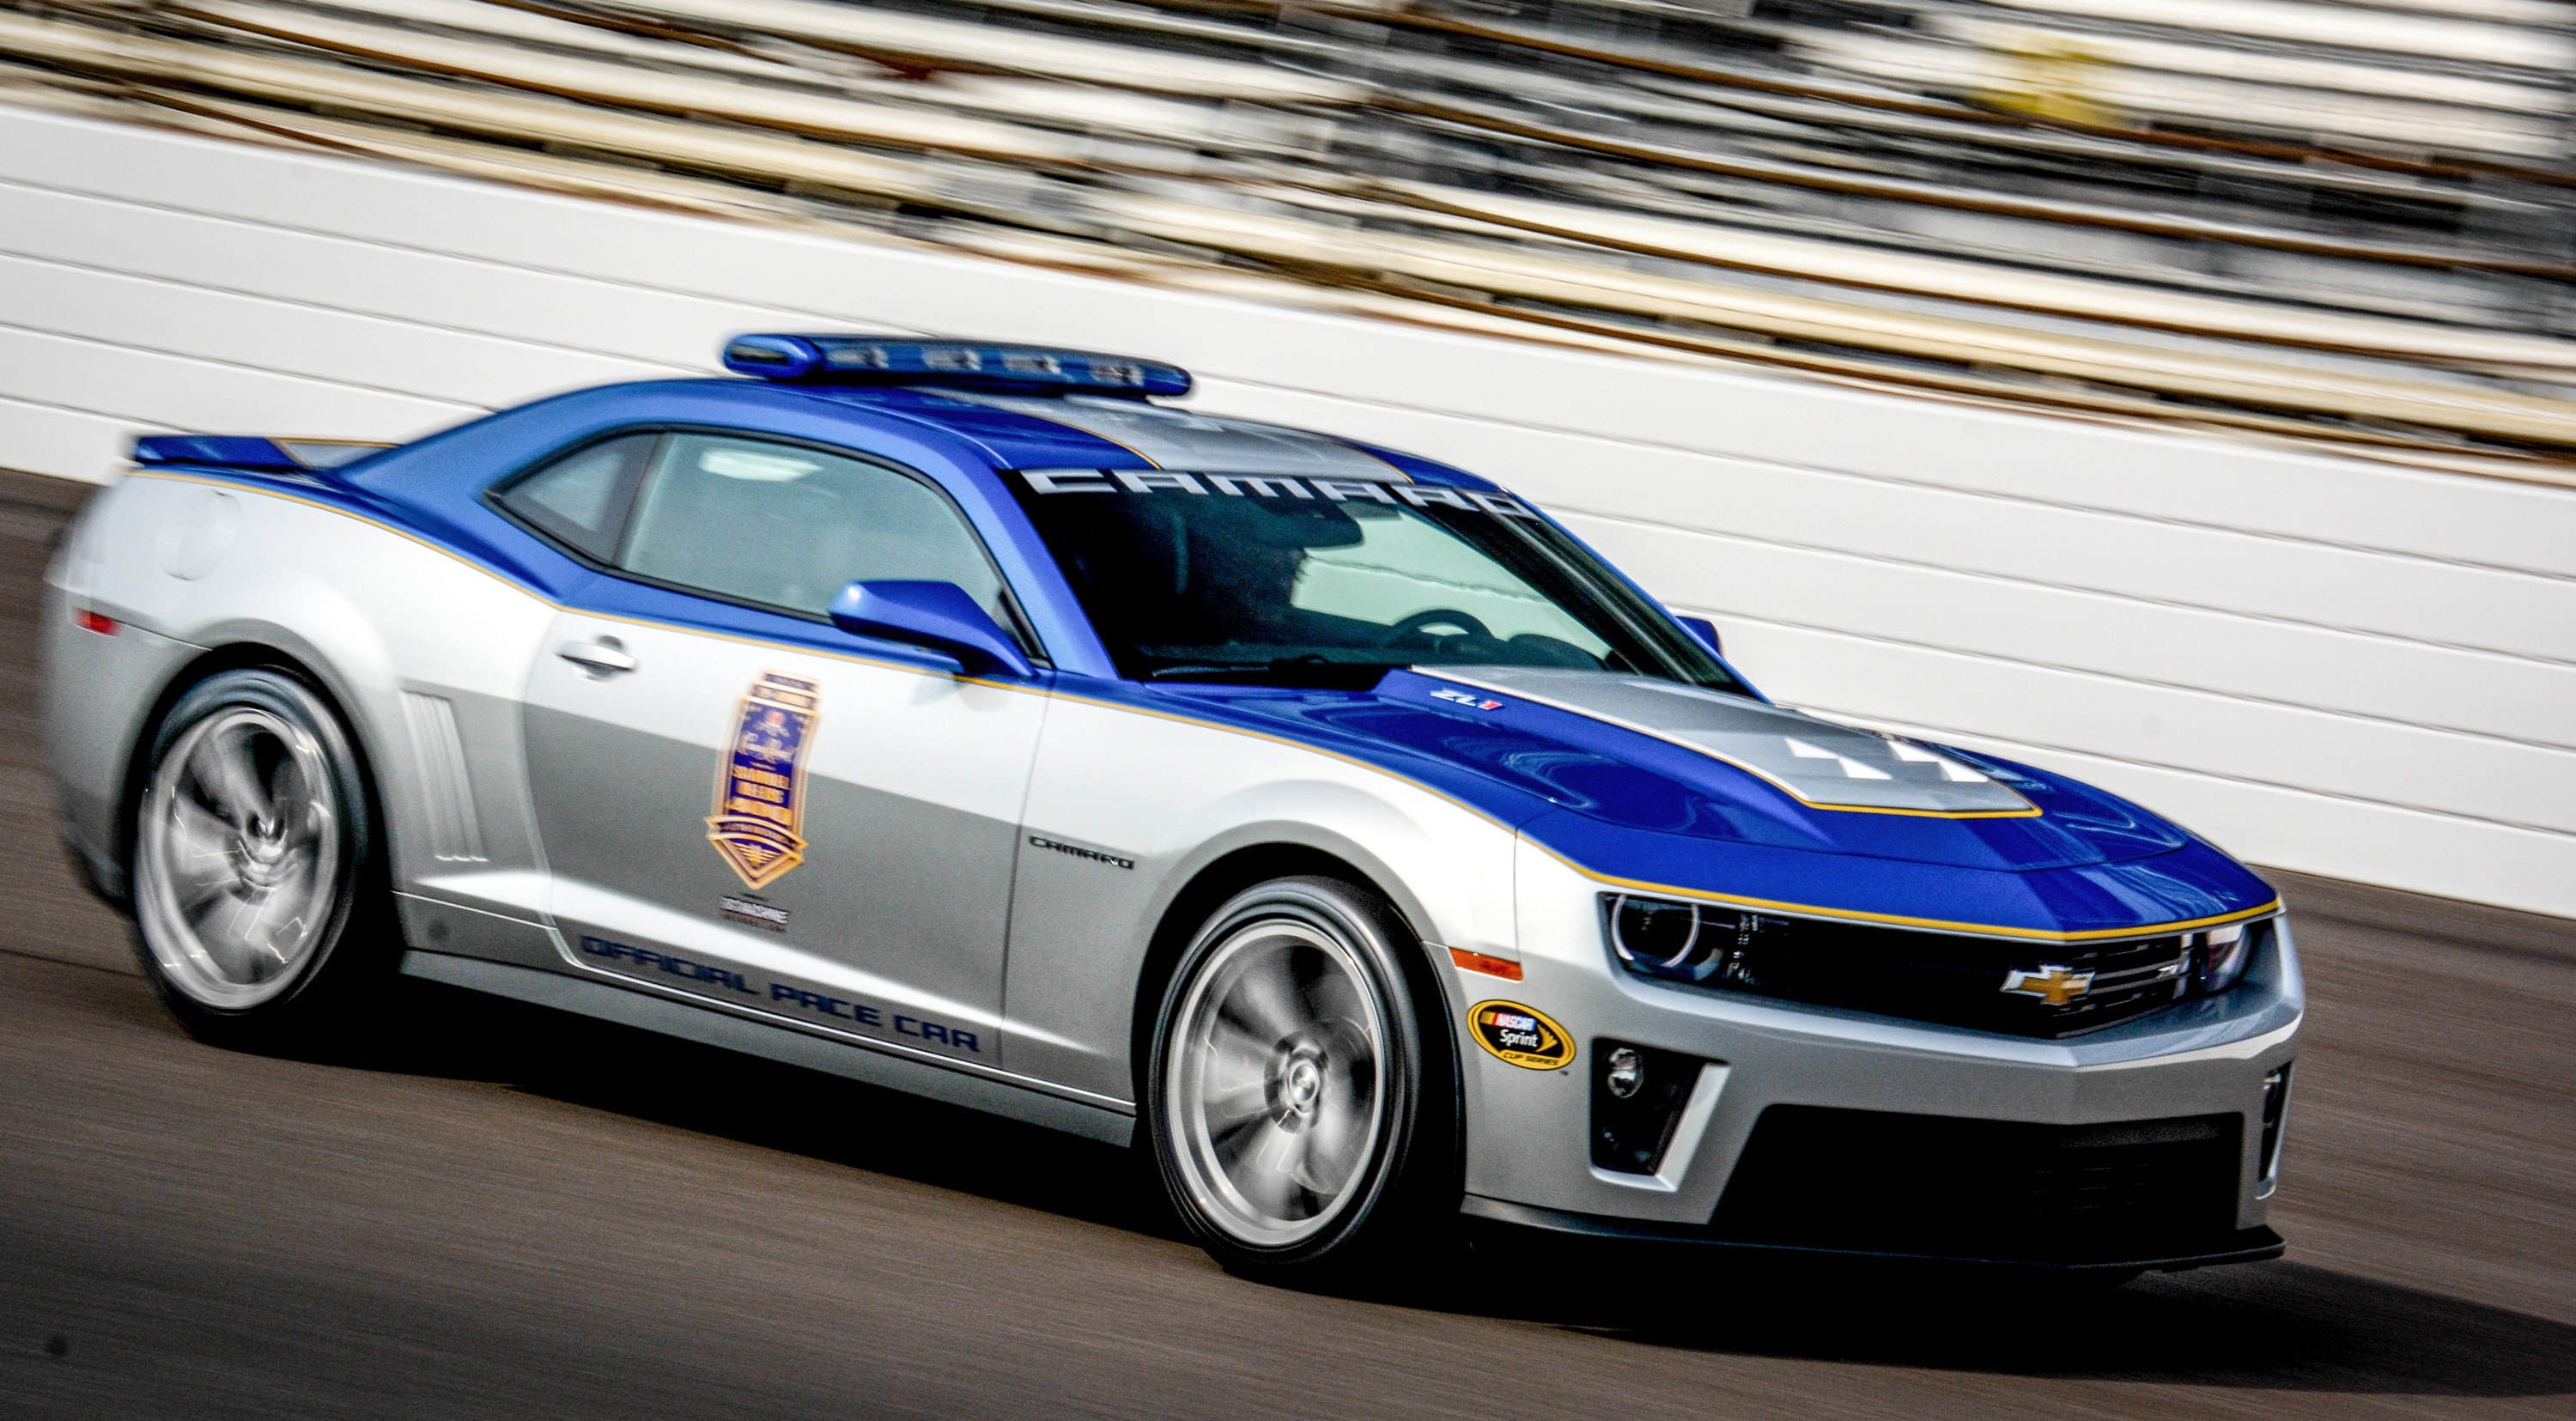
{"points": [[760, 780]]}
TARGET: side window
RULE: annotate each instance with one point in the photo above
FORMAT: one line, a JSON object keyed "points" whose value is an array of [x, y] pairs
{"points": [[788, 527], [580, 500]]}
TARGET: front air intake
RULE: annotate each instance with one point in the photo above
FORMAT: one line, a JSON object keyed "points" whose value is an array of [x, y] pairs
{"points": [[1879, 1182]]}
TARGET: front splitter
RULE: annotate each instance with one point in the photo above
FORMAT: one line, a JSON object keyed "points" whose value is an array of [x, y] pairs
{"points": [[2252, 1245]]}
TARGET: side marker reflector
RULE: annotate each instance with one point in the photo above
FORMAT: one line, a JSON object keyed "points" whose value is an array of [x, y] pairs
{"points": [[1504, 968], [98, 622]]}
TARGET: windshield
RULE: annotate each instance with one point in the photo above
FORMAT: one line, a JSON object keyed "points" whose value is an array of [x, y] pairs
{"points": [[1230, 577]]}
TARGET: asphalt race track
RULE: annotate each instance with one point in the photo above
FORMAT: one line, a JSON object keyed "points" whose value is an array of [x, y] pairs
{"points": [[511, 1213]]}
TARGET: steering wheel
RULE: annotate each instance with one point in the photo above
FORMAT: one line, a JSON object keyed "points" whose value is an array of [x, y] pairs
{"points": [[1423, 621]]}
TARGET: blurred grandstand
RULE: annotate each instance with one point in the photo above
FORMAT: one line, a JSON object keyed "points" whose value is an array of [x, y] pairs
{"points": [[2296, 220]]}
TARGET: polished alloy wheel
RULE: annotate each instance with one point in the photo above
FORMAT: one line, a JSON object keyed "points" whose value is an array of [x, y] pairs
{"points": [[238, 872], [1275, 1089]]}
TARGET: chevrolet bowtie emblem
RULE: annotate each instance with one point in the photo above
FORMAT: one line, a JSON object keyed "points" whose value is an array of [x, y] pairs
{"points": [[2051, 983]]}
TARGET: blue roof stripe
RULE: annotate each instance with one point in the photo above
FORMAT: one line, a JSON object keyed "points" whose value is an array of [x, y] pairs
{"points": [[1005, 438]]}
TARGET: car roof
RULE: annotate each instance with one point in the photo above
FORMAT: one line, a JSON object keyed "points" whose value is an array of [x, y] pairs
{"points": [[1030, 431], [1051, 431]]}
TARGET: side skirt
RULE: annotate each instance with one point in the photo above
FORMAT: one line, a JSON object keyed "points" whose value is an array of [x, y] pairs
{"points": [[672, 1018]]}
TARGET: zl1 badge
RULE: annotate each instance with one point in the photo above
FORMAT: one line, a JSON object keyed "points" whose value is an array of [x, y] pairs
{"points": [[1524, 1036], [760, 782]]}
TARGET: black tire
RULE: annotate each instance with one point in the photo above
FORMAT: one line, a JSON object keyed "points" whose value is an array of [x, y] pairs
{"points": [[1391, 1198], [336, 952]]}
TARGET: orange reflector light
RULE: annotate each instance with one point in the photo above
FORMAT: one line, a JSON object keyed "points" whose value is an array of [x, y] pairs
{"points": [[98, 622], [1504, 968]]}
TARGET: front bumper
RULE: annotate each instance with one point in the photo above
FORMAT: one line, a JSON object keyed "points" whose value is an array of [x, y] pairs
{"points": [[2140, 1145]]}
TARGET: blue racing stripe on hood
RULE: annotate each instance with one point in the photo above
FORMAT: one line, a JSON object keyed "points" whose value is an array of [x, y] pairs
{"points": [[1632, 810]]}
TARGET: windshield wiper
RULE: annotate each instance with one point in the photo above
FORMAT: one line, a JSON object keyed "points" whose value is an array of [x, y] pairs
{"points": [[1357, 672], [1198, 670]]}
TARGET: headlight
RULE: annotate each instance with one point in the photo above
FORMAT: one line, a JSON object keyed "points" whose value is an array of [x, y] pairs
{"points": [[1662, 938], [2223, 955], [1699, 943]]}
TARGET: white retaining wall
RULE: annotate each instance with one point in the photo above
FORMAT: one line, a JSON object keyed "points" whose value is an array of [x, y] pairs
{"points": [[2326, 665]]}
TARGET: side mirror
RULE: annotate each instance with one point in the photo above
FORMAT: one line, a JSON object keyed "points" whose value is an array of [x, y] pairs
{"points": [[1702, 628], [937, 615]]}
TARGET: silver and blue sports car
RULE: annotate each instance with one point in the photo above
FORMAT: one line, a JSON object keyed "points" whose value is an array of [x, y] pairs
{"points": [[1326, 820]]}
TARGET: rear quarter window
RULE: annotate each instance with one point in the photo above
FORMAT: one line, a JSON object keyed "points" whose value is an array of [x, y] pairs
{"points": [[580, 500]]}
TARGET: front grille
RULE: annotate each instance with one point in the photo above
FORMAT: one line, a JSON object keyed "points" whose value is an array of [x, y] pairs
{"points": [[1813, 1177], [1955, 980]]}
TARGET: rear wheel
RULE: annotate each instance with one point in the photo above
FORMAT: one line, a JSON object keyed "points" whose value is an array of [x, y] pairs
{"points": [[254, 864], [1303, 1119]]}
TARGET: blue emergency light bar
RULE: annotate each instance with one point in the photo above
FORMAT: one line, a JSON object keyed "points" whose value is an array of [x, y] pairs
{"points": [[897, 360]]}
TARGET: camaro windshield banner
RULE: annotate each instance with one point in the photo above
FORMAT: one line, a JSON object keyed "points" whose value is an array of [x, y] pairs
{"points": [[1272, 486], [760, 782]]}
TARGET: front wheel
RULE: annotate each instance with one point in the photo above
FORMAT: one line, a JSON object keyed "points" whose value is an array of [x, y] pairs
{"points": [[254, 856], [1301, 1101]]}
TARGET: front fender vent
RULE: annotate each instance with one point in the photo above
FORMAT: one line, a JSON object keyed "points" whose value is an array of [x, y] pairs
{"points": [[447, 794]]}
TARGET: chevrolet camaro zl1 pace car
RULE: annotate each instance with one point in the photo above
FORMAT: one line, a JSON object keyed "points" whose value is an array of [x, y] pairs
{"points": [[1327, 821]]}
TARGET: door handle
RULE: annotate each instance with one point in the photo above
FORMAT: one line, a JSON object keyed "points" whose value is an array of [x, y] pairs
{"points": [[605, 657]]}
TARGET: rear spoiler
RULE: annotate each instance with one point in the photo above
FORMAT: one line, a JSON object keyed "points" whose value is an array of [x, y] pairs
{"points": [[251, 451]]}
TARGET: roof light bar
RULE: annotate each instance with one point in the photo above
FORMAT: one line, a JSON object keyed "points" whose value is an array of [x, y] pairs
{"points": [[889, 360]]}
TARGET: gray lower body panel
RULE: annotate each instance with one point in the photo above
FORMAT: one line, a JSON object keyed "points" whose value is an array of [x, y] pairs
{"points": [[673, 1018]]}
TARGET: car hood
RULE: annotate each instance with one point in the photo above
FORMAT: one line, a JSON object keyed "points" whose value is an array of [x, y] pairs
{"points": [[1635, 754]]}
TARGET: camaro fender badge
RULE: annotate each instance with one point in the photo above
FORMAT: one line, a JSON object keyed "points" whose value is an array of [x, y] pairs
{"points": [[759, 912], [2049, 982], [1462, 698], [1040, 841], [1522, 1035], [760, 780]]}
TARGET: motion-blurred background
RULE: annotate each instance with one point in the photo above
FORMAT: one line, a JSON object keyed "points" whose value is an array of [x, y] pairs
{"points": [[2345, 223]]}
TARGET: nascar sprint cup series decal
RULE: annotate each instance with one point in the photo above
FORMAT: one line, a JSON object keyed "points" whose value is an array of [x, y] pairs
{"points": [[760, 783], [1524, 1036]]}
